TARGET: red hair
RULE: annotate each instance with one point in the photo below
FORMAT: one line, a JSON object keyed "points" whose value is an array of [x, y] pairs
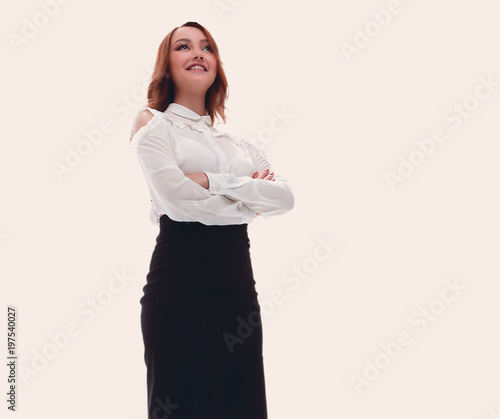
{"points": [[161, 88]]}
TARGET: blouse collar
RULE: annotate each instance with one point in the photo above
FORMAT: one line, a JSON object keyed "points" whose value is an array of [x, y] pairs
{"points": [[181, 110]]}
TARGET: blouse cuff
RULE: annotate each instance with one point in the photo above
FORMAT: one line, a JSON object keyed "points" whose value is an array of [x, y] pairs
{"points": [[217, 184]]}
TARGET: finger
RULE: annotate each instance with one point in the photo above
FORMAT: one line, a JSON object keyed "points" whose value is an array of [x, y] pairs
{"points": [[263, 174], [255, 175]]}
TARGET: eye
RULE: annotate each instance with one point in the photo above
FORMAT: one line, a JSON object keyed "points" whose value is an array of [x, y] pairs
{"points": [[208, 47], [181, 46]]}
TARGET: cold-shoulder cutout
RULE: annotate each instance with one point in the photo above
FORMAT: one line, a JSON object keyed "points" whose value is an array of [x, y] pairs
{"points": [[141, 120]]}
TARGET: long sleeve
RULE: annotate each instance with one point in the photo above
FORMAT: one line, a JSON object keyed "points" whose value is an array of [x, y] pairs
{"points": [[171, 191], [263, 196]]}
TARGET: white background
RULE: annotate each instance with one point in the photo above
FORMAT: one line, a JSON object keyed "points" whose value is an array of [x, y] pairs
{"points": [[62, 237]]}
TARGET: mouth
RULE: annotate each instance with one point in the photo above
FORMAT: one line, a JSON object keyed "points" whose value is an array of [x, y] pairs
{"points": [[197, 67]]}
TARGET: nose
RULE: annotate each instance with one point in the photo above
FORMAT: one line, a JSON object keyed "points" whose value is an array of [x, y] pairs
{"points": [[198, 54]]}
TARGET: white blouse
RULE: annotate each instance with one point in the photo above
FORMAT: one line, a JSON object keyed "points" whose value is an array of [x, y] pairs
{"points": [[178, 142]]}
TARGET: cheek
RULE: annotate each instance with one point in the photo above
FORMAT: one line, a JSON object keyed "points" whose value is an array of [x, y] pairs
{"points": [[176, 63], [212, 61]]}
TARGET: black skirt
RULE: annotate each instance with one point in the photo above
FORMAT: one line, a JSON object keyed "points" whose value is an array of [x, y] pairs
{"points": [[201, 325]]}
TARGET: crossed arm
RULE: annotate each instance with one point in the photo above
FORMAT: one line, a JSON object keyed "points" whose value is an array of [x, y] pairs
{"points": [[202, 179], [223, 197]]}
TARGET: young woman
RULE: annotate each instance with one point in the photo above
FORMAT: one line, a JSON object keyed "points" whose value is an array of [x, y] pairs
{"points": [[200, 316]]}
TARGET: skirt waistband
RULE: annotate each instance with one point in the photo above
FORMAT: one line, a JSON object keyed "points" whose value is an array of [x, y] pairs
{"points": [[166, 223]]}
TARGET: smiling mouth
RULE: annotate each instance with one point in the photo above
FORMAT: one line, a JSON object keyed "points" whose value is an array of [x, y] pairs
{"points": [[196, 68]]}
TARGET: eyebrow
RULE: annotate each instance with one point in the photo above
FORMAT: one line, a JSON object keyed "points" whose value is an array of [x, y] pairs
{"points": [[189, 40]]}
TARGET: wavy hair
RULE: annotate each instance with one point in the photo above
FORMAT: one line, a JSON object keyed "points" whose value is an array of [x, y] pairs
{"points": [[161, 88]]}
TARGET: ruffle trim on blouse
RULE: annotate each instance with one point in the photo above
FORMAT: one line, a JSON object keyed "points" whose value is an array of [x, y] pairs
{"points": [[236, 140], [164, 116]]}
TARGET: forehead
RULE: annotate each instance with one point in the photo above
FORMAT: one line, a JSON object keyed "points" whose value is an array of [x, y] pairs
{"points": [[194, 34]]}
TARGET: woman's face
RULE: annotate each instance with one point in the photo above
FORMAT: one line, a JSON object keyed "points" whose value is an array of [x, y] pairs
{"points": [[190, 47]]}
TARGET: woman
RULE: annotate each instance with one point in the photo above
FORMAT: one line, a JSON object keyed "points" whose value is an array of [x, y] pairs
{"points": [[200, 315]]}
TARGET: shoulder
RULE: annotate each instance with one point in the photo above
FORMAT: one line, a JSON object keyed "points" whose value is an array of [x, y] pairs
{"points": [[141, 120], [148, 128], [144, 118]]}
